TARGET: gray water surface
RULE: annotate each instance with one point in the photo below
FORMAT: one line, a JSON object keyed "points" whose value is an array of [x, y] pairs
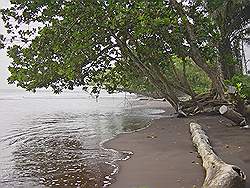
{"points": [[51, 140]]}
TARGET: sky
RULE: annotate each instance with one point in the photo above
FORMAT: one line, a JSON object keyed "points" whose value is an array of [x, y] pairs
{"points": [[5, 61]]}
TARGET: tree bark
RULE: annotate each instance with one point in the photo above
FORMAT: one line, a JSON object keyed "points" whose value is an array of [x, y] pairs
{"points": [[228, 68], [154, 77], [218, 173], [233, 115], [195, 53]]}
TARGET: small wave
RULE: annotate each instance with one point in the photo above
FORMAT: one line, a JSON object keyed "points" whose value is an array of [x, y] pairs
{"points": [[62, 147], [10, 98]]}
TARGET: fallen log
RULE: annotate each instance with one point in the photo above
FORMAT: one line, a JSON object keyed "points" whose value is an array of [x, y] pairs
{"points": [[233, 115], [218, 173]]}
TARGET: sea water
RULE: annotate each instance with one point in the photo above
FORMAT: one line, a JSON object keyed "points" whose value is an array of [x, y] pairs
{"points": [[49, 140]]}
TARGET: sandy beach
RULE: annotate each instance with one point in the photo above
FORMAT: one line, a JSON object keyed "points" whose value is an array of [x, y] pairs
{"points": [[163, 154]]}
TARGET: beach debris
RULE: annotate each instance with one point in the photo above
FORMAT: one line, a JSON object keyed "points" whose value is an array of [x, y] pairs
{"points": [[218, 173], [245, 127], [152, 136], [234, 116]]}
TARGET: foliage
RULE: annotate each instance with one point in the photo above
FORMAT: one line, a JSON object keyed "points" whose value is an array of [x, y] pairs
{"points": [[200, 82], [161, 47], [232, 18], [242, 85]]}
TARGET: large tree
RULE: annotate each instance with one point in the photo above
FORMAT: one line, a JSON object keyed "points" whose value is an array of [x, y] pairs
{"points": [[156, 48], [232, 18]]}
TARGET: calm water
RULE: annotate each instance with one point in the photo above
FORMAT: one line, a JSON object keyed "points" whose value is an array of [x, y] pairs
{"points": [[51, 140]]}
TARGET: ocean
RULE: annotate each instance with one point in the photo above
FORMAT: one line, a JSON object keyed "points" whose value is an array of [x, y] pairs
{"points": [[49, 140]]}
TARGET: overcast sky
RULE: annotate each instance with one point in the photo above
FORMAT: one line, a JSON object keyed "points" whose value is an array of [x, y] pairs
{"points": [[5, 61]]}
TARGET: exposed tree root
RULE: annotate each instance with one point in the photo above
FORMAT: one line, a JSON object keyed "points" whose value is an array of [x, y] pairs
{"points": [[206, 103], [218, 173], [202, 104]]}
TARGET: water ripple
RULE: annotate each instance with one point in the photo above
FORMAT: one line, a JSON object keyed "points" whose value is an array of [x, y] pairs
{"points": [[63, 149]]}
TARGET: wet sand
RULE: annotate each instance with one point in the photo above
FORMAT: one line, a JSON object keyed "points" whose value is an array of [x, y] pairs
{"points": [[164, 156]]}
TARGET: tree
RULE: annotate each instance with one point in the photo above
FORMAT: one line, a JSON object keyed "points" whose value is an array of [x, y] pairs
{"points": [[232, 18], [149, 47]]}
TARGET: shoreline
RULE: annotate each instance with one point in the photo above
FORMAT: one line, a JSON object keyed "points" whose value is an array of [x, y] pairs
{"points": [[163, 154], [139, 173], [126, 155], [110, 179]]}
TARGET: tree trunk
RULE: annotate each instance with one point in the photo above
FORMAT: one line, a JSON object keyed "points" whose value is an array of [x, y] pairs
{"points": [[218, 173], [154, 77], [217, 85], [233, 115], [226, 59], [213, 72]]}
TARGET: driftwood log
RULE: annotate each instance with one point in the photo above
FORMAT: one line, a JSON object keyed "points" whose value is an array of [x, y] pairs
{"points": [[218, 173], [233, 115]]}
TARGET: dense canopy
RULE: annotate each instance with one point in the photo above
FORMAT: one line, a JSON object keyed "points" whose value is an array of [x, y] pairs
{"points": [[158, 48]]}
